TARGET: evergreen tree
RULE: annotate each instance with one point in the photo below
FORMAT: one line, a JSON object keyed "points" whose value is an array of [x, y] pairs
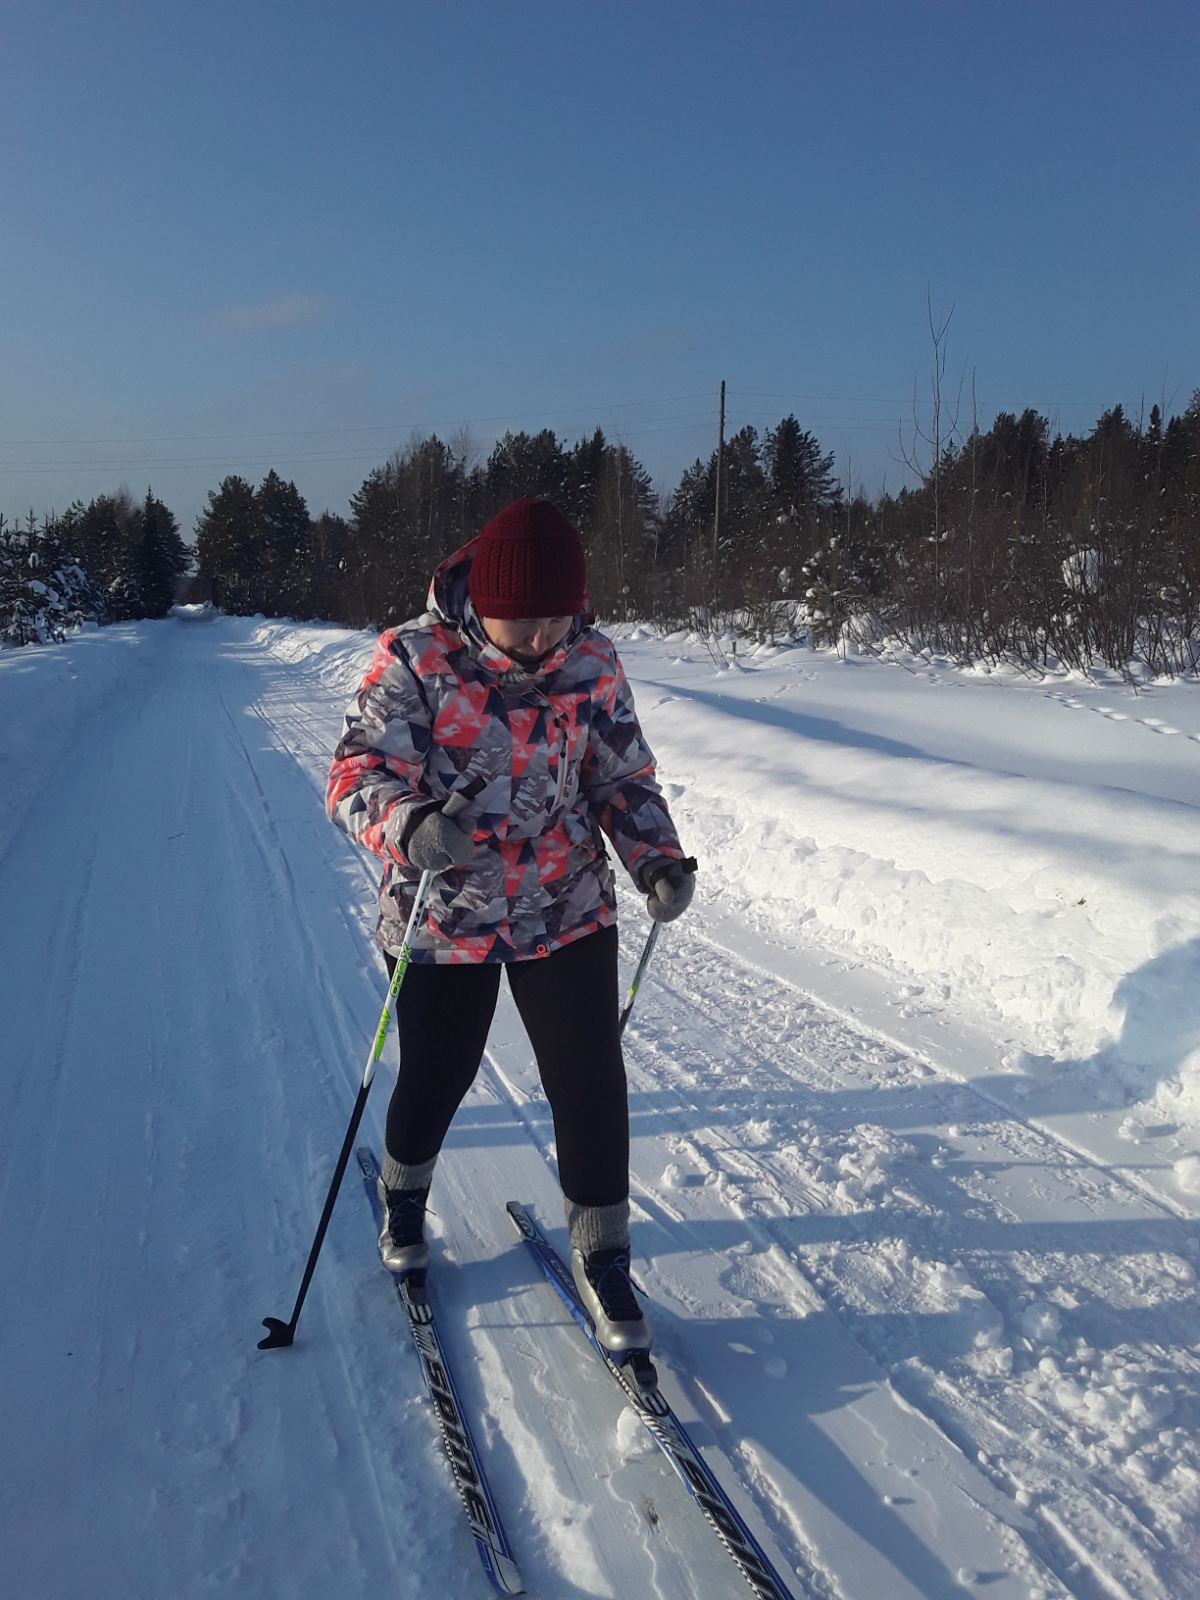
{"points": [[585, 472], [20, 611], [161, 558], [283, 567], [44, 594], [618, 531], [687, 535], [746, 521], [388, 574], [1011, 458], [526, 466], [228, 550], [330, 555], [107, 534], [434, 495], [799, 474]]}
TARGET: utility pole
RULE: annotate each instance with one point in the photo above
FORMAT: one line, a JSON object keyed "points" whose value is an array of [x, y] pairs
{"points": [[720, 459]]}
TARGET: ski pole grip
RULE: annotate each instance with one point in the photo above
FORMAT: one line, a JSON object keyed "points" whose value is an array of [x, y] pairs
{"points": [[461, 798], [689, 864]]}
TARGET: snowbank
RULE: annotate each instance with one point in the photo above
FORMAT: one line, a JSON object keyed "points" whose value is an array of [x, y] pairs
{"points": [[1023, 849]]}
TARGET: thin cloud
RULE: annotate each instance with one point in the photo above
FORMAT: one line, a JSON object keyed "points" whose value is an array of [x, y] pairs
{"points": [[288, 311]]}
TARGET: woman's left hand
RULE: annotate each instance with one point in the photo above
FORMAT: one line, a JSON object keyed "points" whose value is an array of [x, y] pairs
{"points": [[671, 887]]}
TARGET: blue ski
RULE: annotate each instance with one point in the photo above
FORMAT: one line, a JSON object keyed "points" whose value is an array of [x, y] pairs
{"points": [[487, 1530], [639, 1384]]}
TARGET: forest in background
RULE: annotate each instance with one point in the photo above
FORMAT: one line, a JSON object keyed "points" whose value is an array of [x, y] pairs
{"points": [[1015, 543]]}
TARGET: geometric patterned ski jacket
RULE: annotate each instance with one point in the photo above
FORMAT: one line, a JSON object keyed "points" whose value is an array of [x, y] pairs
{"points": [[564, 760]]}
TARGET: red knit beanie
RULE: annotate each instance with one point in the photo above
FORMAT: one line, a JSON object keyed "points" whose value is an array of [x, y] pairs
{"points": [[528, 562]]}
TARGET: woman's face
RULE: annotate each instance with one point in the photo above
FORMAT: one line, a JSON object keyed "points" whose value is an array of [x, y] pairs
{"points": [[529, 639]]}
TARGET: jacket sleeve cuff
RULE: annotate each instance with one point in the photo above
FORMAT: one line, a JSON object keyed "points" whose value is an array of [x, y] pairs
{"points": [[414, 816], [650, 868]]}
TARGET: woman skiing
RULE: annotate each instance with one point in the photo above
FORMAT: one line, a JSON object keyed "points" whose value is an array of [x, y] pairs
{"points": [[505, 679]]}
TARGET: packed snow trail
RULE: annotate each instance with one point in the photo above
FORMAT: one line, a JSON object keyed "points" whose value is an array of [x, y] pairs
{"points": [[928, 1349]]}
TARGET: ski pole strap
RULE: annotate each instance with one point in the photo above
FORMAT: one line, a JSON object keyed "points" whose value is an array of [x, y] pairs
{"points": [[461, 798]]}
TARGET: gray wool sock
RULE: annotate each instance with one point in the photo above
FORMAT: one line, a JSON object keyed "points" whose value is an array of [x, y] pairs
{"points": [[598, 1227], [396, 1175]]}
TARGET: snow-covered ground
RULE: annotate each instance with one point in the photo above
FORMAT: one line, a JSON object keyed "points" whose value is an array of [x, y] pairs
{"points": [[915, 1097]]}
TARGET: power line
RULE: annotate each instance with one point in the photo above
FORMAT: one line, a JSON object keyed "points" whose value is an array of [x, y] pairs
{"points": [[658, 425], [399, 427], [878, 400], [366, 427]]}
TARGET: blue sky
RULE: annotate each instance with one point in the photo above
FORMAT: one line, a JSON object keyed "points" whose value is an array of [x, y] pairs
{"points": [[242, 235]]}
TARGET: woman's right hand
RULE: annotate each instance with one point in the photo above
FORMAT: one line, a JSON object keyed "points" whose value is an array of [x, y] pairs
{"points": [[437, 843], [670, 888]]}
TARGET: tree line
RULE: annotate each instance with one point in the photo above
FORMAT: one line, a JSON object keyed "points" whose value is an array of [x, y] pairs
{"points": [[258, 550], [1013, 543], [110, 561]]}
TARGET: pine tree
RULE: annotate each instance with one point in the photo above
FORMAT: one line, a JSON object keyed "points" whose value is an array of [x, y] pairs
{"points": [[617, 532], [161, 558], [103, 536], [746, 522], [106, 536], [389, 573], [799, 474], [284, 567], [527, 466], [44, 595], [228, 549], [330, 554], [20, 611], [585, 472]]}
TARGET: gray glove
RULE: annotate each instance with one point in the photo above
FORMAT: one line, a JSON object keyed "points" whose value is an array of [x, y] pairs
{"points": [[437, 843], [671, 886]]}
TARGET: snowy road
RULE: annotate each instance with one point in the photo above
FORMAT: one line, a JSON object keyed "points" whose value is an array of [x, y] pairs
{"points": [[930, 1348]]}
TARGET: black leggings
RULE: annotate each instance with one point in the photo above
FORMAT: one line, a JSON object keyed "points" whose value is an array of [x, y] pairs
{"points": [[568, 1002]]}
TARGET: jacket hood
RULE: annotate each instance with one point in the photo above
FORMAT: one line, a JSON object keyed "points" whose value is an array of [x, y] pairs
{"points": [[448, 595]]}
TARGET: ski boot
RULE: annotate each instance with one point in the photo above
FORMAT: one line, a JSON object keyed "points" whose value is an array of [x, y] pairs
{"points": [[402, 1247], [602, 1279]]}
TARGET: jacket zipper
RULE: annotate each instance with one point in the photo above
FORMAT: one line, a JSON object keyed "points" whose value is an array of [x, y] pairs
{"points": [[563, 757]]}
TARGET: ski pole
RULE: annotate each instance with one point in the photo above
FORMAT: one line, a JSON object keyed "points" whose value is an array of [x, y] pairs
{"points": [[280, 1334], [647, 951]]}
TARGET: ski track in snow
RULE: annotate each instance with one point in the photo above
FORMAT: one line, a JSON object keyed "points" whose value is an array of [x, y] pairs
{"points": [[930, 1348]]}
